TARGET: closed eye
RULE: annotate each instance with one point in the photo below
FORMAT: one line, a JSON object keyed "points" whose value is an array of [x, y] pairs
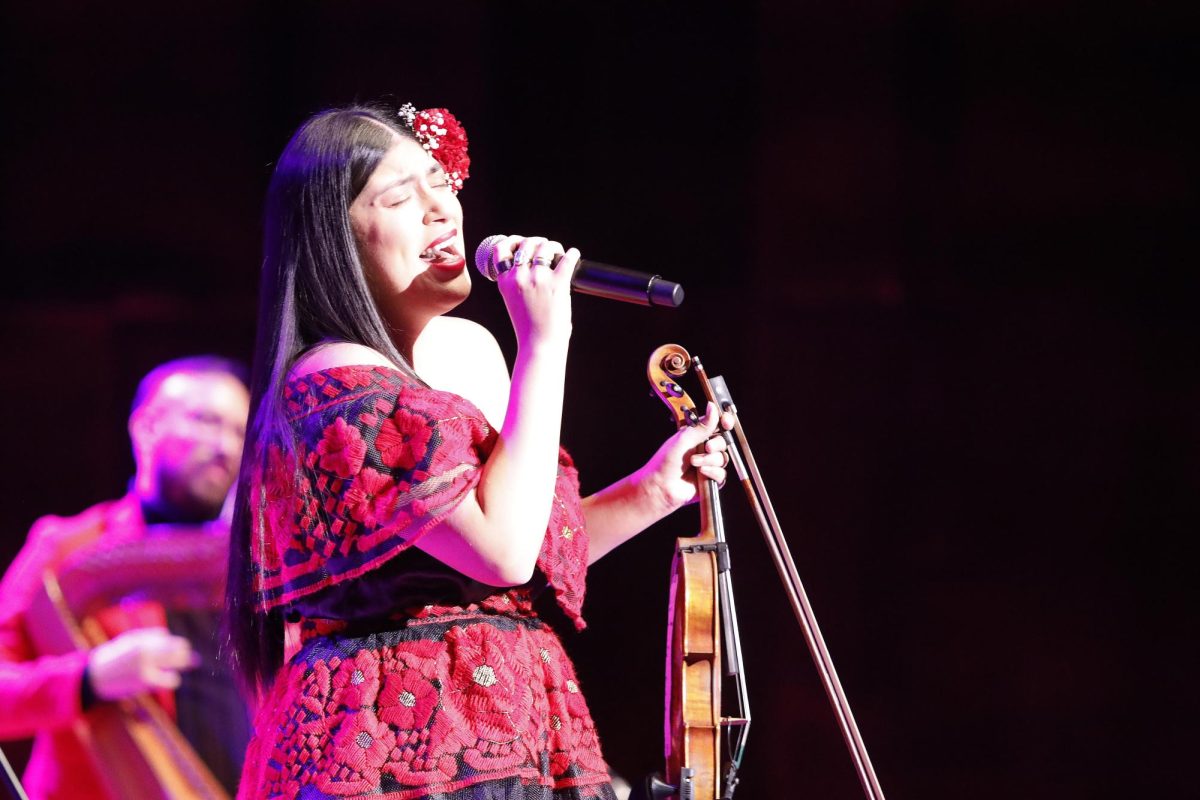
{"points": [[397, 194]]}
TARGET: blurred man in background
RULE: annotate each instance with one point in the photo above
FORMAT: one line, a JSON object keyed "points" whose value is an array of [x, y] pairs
{"points": [[187, 426]]}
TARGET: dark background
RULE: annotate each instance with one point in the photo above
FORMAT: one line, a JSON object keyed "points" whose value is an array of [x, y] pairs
{"points": [[936, 249]]}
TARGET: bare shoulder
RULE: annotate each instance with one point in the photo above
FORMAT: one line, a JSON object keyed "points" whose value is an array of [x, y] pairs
{"points": [[338, 354], [460, 333], [461, 356]]}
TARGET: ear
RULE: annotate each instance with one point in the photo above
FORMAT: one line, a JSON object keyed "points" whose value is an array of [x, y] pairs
{"points": [[143, 427], [137, 425]]}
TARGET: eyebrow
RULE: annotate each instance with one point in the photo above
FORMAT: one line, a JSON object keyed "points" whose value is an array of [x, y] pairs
{"points": [[409, 178]]}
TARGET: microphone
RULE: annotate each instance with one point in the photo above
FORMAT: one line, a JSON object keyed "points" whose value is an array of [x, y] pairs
{"points": [[599, 280]]}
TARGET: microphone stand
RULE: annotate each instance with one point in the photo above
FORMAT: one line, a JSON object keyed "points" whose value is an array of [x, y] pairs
{"points": [[756, 492]]}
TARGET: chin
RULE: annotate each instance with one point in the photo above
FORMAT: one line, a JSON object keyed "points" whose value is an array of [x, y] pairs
{"points": [[207, 504], [447, 295]]}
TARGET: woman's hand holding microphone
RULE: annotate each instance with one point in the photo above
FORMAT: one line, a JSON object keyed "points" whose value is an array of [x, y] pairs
{"points": [[536, 291]]}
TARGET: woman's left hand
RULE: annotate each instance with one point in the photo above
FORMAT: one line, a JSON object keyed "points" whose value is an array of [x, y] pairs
{"points": [[667, 481], [670, 475]]}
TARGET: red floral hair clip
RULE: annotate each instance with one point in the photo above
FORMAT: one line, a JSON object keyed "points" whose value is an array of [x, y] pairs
{"points": [[443, 136]]}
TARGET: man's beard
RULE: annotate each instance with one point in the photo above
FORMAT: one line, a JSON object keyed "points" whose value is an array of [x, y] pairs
{"points": [[184, 499]]}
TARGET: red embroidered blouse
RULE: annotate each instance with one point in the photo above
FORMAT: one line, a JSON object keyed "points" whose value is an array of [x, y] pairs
{"points": [[412, 680]]}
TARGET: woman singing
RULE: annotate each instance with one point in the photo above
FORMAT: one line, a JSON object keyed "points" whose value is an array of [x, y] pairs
{"points": [[403, 500]]}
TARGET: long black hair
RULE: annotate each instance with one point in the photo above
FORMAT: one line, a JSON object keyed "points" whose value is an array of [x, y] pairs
{"points": [[312, 290]]}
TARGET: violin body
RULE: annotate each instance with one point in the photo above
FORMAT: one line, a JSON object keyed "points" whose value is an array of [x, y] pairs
{"points": [[693, 701]]}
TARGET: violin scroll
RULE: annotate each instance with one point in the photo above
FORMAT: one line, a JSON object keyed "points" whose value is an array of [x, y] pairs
{"points": [[666, 365]]}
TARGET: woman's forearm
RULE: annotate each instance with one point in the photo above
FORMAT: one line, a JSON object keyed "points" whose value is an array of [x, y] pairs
{"points": [[617, 513], [667, 481], [495, 535]]}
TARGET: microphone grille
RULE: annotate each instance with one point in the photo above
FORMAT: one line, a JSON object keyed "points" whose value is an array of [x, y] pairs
{"points": [[483, 255]]}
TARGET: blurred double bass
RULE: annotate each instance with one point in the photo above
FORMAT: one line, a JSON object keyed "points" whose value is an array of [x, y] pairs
{"points": [[704, 748], [136, 749]]}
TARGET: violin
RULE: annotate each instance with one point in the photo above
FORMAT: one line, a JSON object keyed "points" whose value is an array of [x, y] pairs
{"points": [[700, 607], [702, 628]]}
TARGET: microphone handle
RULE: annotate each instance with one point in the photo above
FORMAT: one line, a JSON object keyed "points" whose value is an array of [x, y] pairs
{"points": [[626, 285]]}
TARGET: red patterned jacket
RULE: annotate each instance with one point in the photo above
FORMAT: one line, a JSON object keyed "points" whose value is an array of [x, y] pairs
{"points": [[40, 695]]}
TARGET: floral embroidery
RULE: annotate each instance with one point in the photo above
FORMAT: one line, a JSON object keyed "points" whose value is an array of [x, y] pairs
{"points": [[404, 717], [370, 497], [494, 695], [378, 460], [356, 683], [342, 449], [428, 658], [408, 700], [458, 695], [402, 439], [360, 749]]}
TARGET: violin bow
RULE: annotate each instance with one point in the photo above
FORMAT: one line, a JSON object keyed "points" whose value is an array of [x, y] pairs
{"points": [[742, 459]]}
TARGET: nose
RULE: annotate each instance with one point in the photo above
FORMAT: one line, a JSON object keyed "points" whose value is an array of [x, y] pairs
{"points": [[439, 205]]}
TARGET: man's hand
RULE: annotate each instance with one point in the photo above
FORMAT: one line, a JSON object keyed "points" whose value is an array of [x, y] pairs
{"points": [[139, 661]]}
